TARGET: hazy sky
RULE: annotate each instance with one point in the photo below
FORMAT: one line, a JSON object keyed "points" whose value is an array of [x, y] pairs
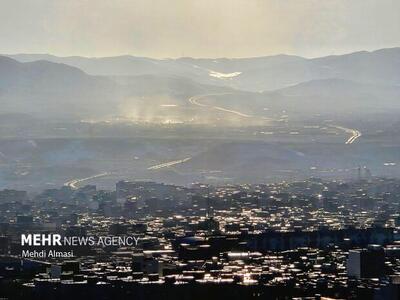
{"points": [[199, 28]]}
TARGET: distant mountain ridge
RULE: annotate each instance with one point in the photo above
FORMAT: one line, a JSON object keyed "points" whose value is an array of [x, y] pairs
{"points": [[53, 90], [161, 90], [253, 74]]}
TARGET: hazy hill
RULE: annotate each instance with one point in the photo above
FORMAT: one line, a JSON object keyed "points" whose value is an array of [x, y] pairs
{"points": [[175, 87], [252, 74], [154, 90], [335, 98], [53, 90], [339, 96]]}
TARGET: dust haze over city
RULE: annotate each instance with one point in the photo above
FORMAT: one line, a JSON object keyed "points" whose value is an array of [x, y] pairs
{"points": [[255, 91], [230, 149]]}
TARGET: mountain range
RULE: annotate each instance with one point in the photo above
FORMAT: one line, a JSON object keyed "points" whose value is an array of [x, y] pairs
{"points": [[79, 87]]}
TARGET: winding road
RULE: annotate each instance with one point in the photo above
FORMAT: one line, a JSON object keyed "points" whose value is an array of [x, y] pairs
{"points": [[74, 182], [355, 134], [169, 164], [194, 100]]}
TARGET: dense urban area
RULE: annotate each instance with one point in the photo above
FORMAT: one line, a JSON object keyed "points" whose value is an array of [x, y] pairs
{"points": [[311, 239], [199, 150]]}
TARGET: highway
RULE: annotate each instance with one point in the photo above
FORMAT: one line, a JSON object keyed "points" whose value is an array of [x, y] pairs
{"points": [[169, 164], [355, 134], [74, 182], [194, 100], [232, 112]]}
